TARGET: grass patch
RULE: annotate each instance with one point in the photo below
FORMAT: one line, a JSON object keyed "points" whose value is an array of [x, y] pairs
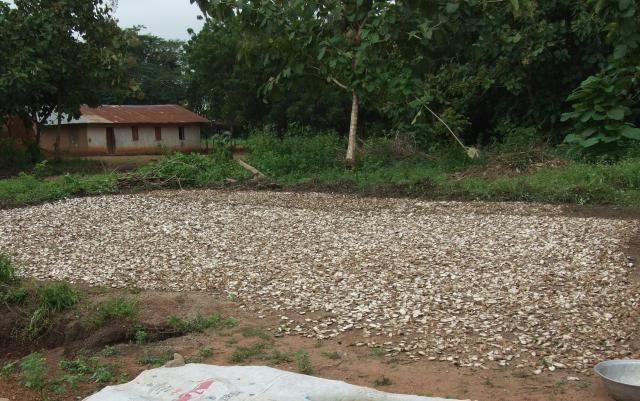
{"points": [[331, 355], [151, 359], [377, 351], [244, 354], [382, 381], [303, 362], [33, 371], [58, 296], [205, 352], [7, 271], [201, 323], [251, 331], [279, 357], [115, 308]]}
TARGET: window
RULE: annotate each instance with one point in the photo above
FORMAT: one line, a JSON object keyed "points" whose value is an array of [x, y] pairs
{"points": [[158, 134], [134, 134], [181, 133]]}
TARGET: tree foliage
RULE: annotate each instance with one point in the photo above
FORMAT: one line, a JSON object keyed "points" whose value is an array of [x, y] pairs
{"points": [[483, 67], [57, 55]]}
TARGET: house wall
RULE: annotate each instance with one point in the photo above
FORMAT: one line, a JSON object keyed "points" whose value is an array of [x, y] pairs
{"points": [[146, 143], [73, 139]]}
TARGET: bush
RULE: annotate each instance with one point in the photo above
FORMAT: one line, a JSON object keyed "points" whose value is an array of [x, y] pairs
{"points": [[295, 156], [115, 308], [15, 156], [181, 169], [58, 297], [33, 371]]}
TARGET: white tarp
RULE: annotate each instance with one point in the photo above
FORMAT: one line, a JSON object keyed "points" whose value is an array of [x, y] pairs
{"points": [[196, 382]]}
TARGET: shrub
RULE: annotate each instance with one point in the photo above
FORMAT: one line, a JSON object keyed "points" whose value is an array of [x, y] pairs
{"points": [[303, 362], [296, 156], [58, 297], [33, 371], [115, 308], [192, 169], [243, 354]]}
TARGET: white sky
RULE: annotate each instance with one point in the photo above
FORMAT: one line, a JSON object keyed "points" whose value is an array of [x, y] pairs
{"points": [[168, 19]]}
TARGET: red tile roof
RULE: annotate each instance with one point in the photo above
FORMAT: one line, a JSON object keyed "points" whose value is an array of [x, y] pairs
{"points": [[155, 114]]}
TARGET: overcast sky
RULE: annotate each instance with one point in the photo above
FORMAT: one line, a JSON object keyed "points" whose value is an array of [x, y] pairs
{"points": [[168, 19]]}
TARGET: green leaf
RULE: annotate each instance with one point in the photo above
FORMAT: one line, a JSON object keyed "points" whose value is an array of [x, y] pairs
{"points": [[616, 114], [321, 53], [452, 7], [589, 142], [619, 52], [631, 132]]}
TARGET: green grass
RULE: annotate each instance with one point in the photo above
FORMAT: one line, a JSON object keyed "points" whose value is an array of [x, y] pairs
{"points": [[384, 167], [58, 296], [151, 359], [7, 271], [251, 331], [27, 189], [33, 371], [244, 354], [331, 355], [115, 308], [201, 323], [303, 362]]}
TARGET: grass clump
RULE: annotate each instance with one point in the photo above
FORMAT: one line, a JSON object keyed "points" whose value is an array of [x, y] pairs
{"points": [[33, 371], [331, 355], [205, 352], [303, 362], [279, 357], [382, 381], [243, 354], [58, 296], [115, 308], [7, 271], [201, 323], [152, 359], [179, 169], [251, 331], [377, 351]]}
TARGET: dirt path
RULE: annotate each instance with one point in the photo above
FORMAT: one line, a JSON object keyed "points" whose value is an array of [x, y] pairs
{"points": [[489, 299]]}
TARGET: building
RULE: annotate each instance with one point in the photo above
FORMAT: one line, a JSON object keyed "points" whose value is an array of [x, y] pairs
{"points": [[15, 129], [126, 130]]}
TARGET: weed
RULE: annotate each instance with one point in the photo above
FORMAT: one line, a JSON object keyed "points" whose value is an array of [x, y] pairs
{"points": [[200, 323], [377, 351], [16, 296], [232, 297], [110, 350], [231, 322], [382, 381], [243, 354], [251, 331], [279, 357], [33, 371], [205, 352], [77, 366], [115, 308], [103, 374], [148, 358], [8, 368], [124, 378], [303, 362], [318, 343], [331, 355], [58, 297], [140, 335], [7, 271]]}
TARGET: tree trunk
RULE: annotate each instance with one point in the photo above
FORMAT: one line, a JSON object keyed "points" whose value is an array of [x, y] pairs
{"points": [[353, 129]]}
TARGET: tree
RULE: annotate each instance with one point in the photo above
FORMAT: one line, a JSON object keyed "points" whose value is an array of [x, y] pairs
{"points": [[57, 55], [155, 68], [349, 43]]}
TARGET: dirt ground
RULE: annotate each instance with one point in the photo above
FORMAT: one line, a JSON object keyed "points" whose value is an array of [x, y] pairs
{"points": [[353, 364]]}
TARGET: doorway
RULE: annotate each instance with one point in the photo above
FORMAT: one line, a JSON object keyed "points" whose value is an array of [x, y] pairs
{"points": [[111, 141]]}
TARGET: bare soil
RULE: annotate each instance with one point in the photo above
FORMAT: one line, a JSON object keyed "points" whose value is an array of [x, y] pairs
{"points": [[356, 365]]}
